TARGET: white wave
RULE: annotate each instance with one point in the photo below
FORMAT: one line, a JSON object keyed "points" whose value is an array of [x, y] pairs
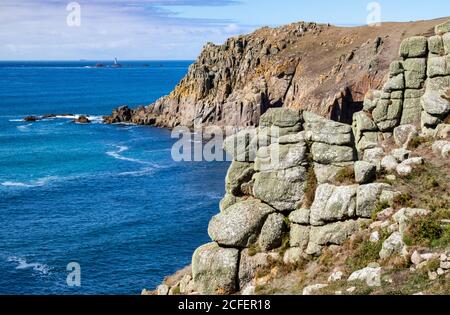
{"points": [[23, 128], [120, 149], [16, 120], [92, 118], [36, 183], [138, 173], [23, 264]]}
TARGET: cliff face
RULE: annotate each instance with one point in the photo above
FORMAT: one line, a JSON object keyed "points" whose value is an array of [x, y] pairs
{"points": [[319, 204], [320, 68]]}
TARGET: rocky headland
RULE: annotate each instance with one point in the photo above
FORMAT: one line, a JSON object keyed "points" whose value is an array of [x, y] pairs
{"points": [[358, 200]]}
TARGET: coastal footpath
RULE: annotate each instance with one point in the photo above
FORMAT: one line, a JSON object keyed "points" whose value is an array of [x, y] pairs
{"points": [[350, 206]]}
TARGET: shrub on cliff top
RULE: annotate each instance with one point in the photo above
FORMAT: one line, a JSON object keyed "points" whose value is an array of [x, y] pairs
{"points": [[424, 231]]}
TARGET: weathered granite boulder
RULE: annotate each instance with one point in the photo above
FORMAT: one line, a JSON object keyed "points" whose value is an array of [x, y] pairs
{"points": [[331, 234], [392, 246], [215, 269], [277, 157], [411, 111], [319, 129], [238, 146], [300, 216], [240, 224], [387, 114], [434, 103], [389, 163], [415, 74], [238, 174], [299, 236], [327, 173], [374, 156], [330, 154], [442, 28], [442, 148], [365, 172], [395, 83], [368, 197], [371, 276], [281, 117], [283, 190], [438, 66], [229, 200], [272, 232], [414, 47], [436, 46], [403, 134], [333, 203]]}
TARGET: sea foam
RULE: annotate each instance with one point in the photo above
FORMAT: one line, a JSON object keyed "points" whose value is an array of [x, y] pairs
{"points": [[22, 264]]}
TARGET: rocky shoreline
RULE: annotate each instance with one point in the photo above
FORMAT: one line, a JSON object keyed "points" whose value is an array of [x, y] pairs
{"points": [[338, 189]]}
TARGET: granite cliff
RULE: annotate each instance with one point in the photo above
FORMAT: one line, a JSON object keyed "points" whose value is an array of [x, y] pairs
{"points": [[320, 68], [360, 208]]}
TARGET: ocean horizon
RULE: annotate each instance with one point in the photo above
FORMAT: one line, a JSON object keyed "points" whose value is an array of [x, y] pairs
{"points": [[108, 197]]}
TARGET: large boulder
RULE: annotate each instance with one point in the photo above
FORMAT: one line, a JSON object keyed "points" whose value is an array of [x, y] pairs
{"points": [[299, 236], [392, 246], [415, 73], [300, 216], [238, 146], [442, 28], [333, 203], [387, 114], [272, 231], [238, 174], [403, 134], [278, 157], [434, 103], [281, 117], [438, 66], [329, 154], [411, 112], [240, 224], [368, 197], [283, 190], [371, 276], [319, 129], [365, 172], [436, 46], [414, 47], [326, 173], [215, 269], [331, 234]]}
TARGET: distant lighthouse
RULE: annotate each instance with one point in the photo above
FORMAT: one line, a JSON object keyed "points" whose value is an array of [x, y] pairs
{"points": [[116, 64]]}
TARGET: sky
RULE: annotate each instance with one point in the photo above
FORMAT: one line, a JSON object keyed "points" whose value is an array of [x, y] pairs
{"points": [[171, 29]]}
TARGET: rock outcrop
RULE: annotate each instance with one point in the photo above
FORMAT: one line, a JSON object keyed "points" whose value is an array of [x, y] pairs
{"points": [[323, 69], [301, 184]]}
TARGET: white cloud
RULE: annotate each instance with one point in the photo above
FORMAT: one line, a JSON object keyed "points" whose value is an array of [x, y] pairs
{"points": [[127, 29]]}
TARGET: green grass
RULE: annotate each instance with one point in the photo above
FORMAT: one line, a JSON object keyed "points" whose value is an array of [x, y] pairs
{"points": [[427, 231], [366, 253]]}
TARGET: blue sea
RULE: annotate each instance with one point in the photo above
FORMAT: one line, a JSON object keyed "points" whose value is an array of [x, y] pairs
{"points": [[108, 197]]}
